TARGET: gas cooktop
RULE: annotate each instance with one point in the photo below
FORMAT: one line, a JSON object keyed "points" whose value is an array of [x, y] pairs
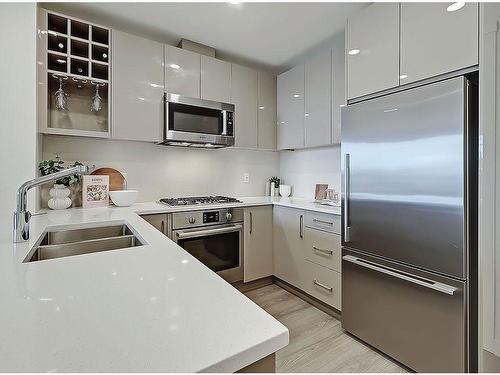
{"points": [[188, 201]]}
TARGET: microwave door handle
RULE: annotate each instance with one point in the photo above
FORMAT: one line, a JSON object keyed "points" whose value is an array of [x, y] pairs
{"points": [[224, 122], [182, 234]]}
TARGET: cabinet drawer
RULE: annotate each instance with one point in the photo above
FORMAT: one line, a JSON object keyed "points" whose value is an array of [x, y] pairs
{"points": [[323, 283], [323, 248], [329, 223]]}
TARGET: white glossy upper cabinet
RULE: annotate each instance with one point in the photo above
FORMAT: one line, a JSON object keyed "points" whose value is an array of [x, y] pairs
{"points": [[244, 93], [267, 111], [216, 80], [318, 101], [373, 49], [436, 41], [290, 89], [182, 72], [338, 85], [137, 95]]}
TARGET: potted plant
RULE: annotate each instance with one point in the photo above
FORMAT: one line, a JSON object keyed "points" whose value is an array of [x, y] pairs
{"points": [[275, 184], [60, 191]]}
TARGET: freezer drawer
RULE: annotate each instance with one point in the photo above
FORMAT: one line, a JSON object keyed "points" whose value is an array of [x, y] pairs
{"points": [[416, 317]]}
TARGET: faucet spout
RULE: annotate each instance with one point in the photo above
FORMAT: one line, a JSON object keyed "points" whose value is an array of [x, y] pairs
{"points": [[22, 216]]}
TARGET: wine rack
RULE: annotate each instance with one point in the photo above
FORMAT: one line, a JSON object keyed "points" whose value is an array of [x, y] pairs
{"points": [[73, 57]]}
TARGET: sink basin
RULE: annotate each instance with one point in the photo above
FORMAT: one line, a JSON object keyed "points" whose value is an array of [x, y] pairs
{"points": [[71, 242]]}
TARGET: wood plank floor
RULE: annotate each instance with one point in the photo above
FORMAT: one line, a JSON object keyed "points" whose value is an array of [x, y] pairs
{"points": [[317, 341]]}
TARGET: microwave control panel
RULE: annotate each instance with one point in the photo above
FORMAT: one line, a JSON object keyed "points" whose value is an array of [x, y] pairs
{"points": [[230, 123]]}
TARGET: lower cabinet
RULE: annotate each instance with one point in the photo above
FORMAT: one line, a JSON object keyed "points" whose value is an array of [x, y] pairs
{"points": [[307, 252], [258, 240], [288, 257]]}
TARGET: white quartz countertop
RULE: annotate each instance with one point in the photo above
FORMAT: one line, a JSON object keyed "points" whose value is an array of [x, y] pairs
{"points": [[298, 203], [152, 308]]}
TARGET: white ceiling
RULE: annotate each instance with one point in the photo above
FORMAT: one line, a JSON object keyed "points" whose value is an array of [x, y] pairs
{"points": [[270, 35]]}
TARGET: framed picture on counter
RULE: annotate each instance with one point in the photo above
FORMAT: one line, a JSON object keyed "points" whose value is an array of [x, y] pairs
{"points": [[95, 191]]}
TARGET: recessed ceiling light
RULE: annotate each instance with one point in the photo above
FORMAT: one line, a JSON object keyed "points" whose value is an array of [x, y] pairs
{"points": [[235, 2], [296, 95], [403, 76], [261, 107], [60, 45], [353, 52], [306, 114], [175, 66], [455, 6], [104, 55]]}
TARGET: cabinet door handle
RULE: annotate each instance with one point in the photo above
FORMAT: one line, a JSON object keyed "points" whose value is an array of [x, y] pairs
{"points": [[301, 224], [329, 252], [321, 285], [323, 222], [251, 223], [162, 227]]}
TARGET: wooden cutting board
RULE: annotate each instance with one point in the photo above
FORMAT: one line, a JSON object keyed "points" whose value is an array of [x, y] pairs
{"points": [[116, 179]]}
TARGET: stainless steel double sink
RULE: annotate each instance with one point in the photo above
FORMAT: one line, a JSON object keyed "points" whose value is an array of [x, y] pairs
{"points": [[70, 242]]}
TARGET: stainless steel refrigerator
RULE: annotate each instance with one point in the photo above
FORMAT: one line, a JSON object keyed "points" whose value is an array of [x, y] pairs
{"points": [[410, 224]]}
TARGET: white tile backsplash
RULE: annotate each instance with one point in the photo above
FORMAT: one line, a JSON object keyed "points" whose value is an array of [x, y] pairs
{"points": [[160, 171], [303, 169]]}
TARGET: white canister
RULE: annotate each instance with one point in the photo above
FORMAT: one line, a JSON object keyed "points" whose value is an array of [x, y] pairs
{"points": [[285, 190], [60, 197], [272, 190]]}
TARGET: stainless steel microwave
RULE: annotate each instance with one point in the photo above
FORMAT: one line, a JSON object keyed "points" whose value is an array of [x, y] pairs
{"points": [[192, 122]]}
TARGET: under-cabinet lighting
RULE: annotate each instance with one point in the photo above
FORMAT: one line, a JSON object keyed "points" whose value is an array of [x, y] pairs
{"points": [[354, 51], [455, 6], [175, 66]]}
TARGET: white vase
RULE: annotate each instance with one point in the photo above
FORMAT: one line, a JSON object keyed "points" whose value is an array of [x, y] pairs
{"points": [[273, 190], [60, 197]]}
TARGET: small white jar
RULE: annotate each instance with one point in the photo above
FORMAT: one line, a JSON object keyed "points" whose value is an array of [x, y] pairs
{"points": [[60, 197]]}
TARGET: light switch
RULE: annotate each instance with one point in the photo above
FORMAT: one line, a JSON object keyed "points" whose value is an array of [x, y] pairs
{"points": [[246, 178]]}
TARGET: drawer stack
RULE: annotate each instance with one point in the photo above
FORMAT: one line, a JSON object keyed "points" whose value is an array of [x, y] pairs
{"points": [[322, 271]]}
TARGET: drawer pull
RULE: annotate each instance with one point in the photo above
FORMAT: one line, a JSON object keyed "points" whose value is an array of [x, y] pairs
{"points": [[321, 285], [329, 252], [323, 222]]}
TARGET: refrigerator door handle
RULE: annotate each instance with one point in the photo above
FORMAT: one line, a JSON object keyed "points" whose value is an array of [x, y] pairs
{"points": [[440, 287], [347, 192]]}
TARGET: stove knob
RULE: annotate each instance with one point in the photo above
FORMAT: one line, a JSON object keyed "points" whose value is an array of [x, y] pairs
{"points": [[229, 216], [192, 220]]}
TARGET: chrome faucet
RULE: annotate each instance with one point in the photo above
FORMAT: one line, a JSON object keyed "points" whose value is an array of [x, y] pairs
{"points": [[22, 216]]}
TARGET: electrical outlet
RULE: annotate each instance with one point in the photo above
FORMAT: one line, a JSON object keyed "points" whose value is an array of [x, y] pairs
{"points": [[246, 178]]}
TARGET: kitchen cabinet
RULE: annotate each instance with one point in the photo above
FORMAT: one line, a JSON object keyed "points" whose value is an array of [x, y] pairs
{"points": [[182, 72], [215, 80], [338, 86], [290, 103], [323, 248], [435, 41], [288, 240], [244, 92], [266, 119], [159, 221], [323, 284], [317, 100], [373, 49], [137, 95], [258, 242]]}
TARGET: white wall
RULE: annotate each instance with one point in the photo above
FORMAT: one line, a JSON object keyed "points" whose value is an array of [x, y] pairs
{"points": [[17, 105], [303, 169], [160, 171]]}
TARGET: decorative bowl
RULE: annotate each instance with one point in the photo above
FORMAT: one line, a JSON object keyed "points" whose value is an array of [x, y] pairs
{"points": [[123, 198]]}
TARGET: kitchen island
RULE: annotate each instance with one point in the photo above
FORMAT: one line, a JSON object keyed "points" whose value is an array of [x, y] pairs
{"points": [[151, 308]]}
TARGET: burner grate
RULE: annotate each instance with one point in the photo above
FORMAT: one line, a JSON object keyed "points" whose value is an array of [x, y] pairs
{"points": [[188, 201]]}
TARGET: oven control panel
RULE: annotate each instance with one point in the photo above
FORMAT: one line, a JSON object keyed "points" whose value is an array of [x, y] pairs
{"points": [[210, 217], [190, 219]]}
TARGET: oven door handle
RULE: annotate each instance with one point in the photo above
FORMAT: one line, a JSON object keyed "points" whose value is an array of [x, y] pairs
{"points": [[183, 234]]}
